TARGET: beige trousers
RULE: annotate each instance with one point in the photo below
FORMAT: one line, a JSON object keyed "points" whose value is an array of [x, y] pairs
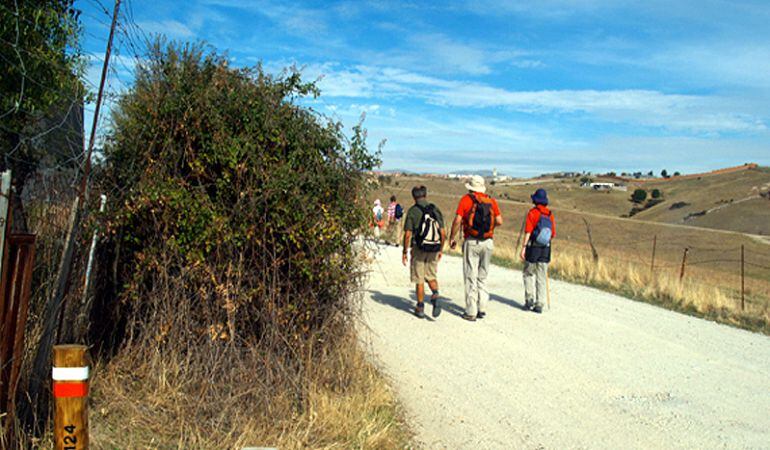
{"points": [[477, 257], [534, 283]]}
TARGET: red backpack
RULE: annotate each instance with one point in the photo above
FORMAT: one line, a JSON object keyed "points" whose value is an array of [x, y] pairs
{"points": [[480, 222]]}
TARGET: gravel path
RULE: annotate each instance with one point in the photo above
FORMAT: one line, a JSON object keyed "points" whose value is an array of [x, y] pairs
{"points": [[596, 371]]}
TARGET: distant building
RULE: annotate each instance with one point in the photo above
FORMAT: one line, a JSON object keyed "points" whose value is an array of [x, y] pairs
{"points": [[605, 186]]}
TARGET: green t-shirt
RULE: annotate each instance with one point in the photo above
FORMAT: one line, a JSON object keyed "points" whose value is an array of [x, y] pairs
{"points": [[414, 215]]}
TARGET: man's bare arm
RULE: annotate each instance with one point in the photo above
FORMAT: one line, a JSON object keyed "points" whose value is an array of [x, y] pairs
{"points": [[455, 227], [407, 243]]}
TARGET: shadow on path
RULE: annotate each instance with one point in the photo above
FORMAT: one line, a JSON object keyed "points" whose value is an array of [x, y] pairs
{"points": [[506, 301], [400, 303]]}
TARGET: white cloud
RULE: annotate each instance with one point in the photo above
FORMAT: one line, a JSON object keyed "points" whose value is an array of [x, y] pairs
{"points": [[171, 28], [688, 113]]}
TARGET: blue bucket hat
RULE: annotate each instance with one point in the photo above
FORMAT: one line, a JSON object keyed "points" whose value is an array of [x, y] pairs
{"points": [[540, 197]]}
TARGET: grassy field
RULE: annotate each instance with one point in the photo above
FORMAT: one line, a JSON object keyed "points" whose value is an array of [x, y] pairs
{"points": [[711, 286]]}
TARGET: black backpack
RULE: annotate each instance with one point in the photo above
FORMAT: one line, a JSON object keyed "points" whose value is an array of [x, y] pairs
{"points": [[399, 213], [428, 234]]}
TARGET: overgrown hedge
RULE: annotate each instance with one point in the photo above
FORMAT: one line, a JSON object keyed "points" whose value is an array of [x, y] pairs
{"points": [[233, 209]]}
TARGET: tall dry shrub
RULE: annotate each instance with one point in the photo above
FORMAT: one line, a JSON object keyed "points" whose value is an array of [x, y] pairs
{"points": [[222, 181]]}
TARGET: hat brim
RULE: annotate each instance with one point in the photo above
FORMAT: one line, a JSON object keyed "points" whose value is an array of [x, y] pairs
{"points": [[481, 189], [541, 200]]}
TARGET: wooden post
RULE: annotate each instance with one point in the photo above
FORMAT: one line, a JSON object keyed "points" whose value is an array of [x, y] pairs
{"points": [[684, 263], [70, 392], [591, 241], [654, 247], [743, 279]]}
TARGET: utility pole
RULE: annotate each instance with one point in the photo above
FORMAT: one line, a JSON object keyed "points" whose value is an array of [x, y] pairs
{"points": [[105, 66], [36, 410]]}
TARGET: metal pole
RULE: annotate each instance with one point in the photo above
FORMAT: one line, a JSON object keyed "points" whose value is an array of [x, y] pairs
{"points": [[654, 247], [5, 203], [684, 263], [70, 392], [80, 328], [743, 279]]}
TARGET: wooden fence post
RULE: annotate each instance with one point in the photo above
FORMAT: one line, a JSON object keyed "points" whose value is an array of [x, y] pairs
{"points": [[684, 263], [70, 392], [654, 247], [743, 279]]}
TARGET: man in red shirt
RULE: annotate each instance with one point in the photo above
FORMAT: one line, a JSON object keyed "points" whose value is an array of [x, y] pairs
{"points": [[479, 214], [539, 229]]}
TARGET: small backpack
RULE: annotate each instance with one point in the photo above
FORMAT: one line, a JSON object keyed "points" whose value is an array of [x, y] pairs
{"points": [[399, 211], [428, 236], [480, 221], [378, 215], [543, 230]]}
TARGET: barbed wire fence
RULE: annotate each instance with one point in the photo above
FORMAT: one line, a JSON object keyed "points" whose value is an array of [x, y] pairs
{"points": [[53, 195]]}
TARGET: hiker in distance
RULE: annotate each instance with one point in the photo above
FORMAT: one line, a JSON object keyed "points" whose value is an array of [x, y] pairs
{"points": [[424, 234], [395, 213], [478, 214], [539, 230], [377, 218]]}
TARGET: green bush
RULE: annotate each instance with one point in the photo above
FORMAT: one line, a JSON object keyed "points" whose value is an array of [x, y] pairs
{"points": [[656, 193], [243, 201], [639, 196]]}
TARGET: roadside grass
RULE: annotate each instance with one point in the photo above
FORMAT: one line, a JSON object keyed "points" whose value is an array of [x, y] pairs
{"points": [[637, 282], [233, 398]]}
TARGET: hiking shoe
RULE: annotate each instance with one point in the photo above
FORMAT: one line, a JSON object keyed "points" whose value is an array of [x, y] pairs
{"points": [[538, 309], [419, 311], [481, 315], [436, 306], [468, 317], [527, 306]]}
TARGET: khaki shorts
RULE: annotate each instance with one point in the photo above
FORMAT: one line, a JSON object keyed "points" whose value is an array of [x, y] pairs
{"points": [[424, 265]]}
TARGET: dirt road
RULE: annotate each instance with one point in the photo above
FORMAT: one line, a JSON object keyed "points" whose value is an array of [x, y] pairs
{"points": [[596, 371]]}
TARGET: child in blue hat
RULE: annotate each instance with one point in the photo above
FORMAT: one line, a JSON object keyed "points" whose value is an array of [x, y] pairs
{"points": [[539, 230]]}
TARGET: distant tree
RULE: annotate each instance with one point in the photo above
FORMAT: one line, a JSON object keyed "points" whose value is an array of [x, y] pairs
{"points": [[651, 174], [639, 196], [664, 173], [637, 175], [611, 174], [585, 180], [677, 174], [656, 193]]}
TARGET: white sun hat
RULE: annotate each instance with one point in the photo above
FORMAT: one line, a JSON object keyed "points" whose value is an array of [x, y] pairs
{"points": [[476, 184]]}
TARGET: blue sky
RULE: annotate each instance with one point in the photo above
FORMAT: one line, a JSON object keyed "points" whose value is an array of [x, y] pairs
{"points": [[526, 87]]}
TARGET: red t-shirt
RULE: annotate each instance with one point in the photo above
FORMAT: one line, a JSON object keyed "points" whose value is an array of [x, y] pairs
{"points": [[465, 206], [534, 216]]}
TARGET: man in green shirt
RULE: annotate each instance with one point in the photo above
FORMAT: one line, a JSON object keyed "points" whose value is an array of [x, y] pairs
{"points": [[425, 234]]}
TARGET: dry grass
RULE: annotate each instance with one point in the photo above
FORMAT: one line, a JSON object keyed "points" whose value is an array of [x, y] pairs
{"points": [[690, 295], [231, 398]]}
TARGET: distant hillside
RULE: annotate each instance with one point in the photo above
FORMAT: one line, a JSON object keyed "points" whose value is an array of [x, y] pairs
{"points": [[483, 173], [736, 200]]}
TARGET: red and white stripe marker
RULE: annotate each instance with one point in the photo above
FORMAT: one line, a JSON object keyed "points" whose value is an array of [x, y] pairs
{"points": [[70, 376]]}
